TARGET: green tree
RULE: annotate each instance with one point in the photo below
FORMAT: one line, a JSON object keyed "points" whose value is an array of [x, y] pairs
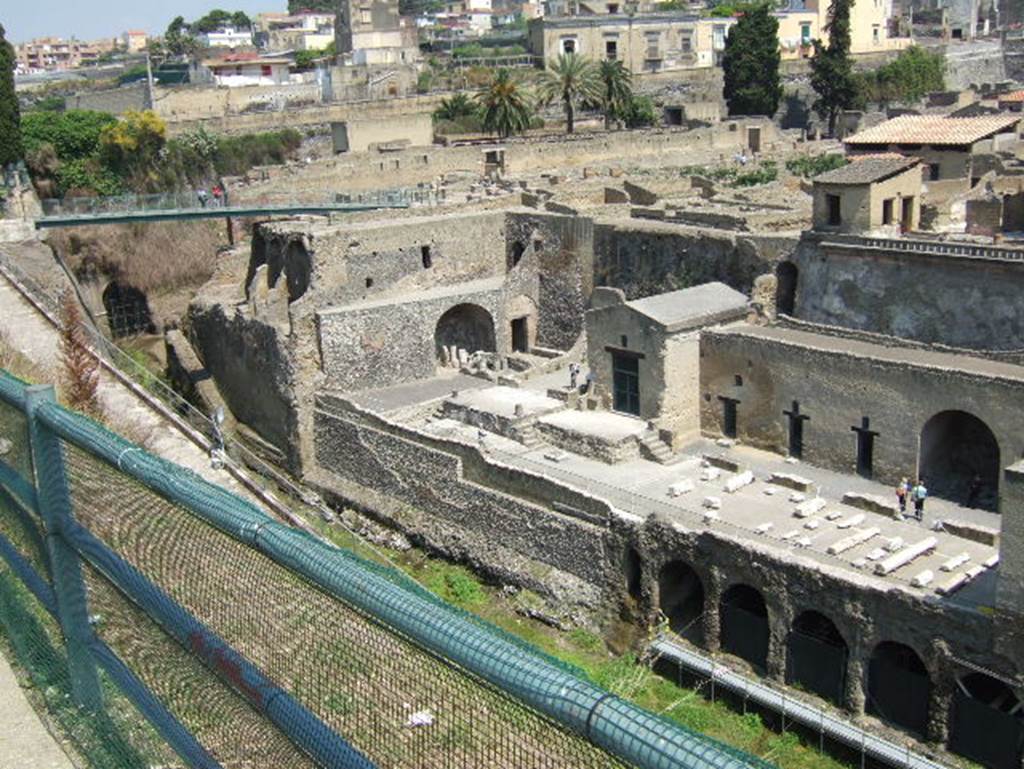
{"points": [[455, 107], [639, 112], [616, 90], [572, 80], [178, 39], [751, 63], [241, 20], [911, 75], [10, 116], [211, 22], [131, 148], [504, 106], [832, 75], [322, 6], [74, 134]]}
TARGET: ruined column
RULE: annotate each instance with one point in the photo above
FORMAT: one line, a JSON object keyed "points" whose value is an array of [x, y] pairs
{"points": [[943, 684], [856, 681], [712, 599], [778, 633]]}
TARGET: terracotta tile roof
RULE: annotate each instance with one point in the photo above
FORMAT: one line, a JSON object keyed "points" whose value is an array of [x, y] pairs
{"points": [[1015, 96], [867, 170], [934, 129]]}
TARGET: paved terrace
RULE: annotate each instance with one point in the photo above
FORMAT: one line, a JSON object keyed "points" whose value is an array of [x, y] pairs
{"points": [[760, 512]]}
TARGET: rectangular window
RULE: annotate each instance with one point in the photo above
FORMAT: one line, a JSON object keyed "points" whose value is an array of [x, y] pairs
{"points": [[686, 41], [364, 16], [875, 32], [568, 45], [613, 8], [887, 205], [626, 383], [805, 33], [266, 70], [611, 49], [653, 45], [933, 172], [835, 217]]}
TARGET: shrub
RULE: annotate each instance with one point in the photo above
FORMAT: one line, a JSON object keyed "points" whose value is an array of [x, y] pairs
{"points": [[763, 174], [914, 73], [640, 113], [809, 166], [73, 134], [81, 369]]}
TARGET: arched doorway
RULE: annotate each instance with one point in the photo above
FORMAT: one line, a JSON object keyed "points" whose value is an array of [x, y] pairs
{"points": [[127, 310], [298, 266], [633, 567], [816, 657], [681, 599], [744, 625], [786, 275], [987, 723], [955, 448], [465, 326], [899, 687]]}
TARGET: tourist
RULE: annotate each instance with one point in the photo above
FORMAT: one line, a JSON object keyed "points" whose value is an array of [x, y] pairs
{"points": [[973, 491], [902, 489], [203, 197], [218, 193], [920, 494], [574, 372]]}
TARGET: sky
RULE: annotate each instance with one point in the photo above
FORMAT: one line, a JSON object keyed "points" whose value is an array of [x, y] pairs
{"points": [[90, 19]]}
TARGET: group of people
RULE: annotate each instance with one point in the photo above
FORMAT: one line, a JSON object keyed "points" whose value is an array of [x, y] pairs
{"points": [[218, 196], [916, 493]]}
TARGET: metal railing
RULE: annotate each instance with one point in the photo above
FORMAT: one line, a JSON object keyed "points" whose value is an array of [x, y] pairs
{"points": [[916, 246], [228, 585], [192, 201]]}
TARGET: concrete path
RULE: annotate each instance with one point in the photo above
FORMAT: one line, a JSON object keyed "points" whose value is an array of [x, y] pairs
{"points": [[24, 741]]}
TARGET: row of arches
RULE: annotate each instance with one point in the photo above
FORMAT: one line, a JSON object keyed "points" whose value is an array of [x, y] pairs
{"points": [[897, 685]]}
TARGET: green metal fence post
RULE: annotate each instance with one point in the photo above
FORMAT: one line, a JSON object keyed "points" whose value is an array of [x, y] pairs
{"points": [[55, 507]]}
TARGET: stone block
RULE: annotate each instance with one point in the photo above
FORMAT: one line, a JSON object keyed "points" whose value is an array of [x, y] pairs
{"points": [[713, 503], [710, 474], [872, 503], [737, 482], [680, 488], [955, 562], [853, 520], [640, 196], [809, 508], [613, 195], [790, 481], [722, 463], [972, 531]]}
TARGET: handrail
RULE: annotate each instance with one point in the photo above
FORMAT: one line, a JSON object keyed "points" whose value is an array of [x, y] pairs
{"points": [[911, 245]]}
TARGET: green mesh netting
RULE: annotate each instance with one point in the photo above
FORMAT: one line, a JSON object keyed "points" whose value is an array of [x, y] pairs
{"points": [[369, 684]]}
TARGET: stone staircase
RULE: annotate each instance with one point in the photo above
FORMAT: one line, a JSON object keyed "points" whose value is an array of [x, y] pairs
{"points": [[528, 436], [652, 447]]}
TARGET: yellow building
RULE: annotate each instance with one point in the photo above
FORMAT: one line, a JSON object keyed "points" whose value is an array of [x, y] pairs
{"points": [[869, 24]]}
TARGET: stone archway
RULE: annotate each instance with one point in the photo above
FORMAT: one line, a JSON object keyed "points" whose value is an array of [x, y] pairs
{"points": [[744, 625], [127, 310], [899, 687], [681, 599], [987, 722], [817, 656], [955, 447], [465, 326], [298, 268]]}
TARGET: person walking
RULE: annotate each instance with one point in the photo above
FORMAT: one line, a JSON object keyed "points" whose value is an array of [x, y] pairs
{"points": [[574, 373], [920, 494], [218, 194], [902, 490], [203, 197]]}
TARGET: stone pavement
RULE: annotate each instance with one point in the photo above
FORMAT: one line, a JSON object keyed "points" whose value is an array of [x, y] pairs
{"points": [[24, 741]]}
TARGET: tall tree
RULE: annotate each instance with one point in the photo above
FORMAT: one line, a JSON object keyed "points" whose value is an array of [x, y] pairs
{"points": [[616, 90], [751, 63], [572, 80], [178, 39], [10, 116], [832, 75], [504, 106]]}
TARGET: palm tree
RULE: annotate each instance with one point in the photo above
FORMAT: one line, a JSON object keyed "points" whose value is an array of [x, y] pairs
{"points": [[459, 105], [616, 90], [504, 106], [574, 80]]}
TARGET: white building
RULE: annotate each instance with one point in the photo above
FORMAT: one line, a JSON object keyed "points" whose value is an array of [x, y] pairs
{"points": [[226, 37], [235, 72]]}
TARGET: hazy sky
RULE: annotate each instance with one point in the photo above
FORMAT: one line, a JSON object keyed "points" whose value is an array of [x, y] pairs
{"points": [[88, 19]]}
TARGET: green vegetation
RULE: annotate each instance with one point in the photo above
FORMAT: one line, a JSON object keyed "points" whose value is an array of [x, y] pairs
{"points": [[504, 107], [640, 112], [49, 103], [574, 81], [218, 18], [477, 51], [809, 166], [616, 91], [10, 114], [914, 73], [765, 173], [751, 63], [93, 153], [132, 74], [832, 75], [305, 60]]}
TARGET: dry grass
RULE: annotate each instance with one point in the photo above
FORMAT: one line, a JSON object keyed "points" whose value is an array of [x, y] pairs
{"points": [[155, 257]]}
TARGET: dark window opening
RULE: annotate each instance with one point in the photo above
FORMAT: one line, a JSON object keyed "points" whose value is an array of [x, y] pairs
{"points": [[887, 206], [738, 380], [518, 249], [785, 292], [933, 172], [624, 341], [907, 216], [428, 261], [674, 116], [744, 625], [634, 574], [728, 416], [538, 246], [681, 599], [369, 282], [835, 217], [626, 384], [520, 335], [611, 49]]}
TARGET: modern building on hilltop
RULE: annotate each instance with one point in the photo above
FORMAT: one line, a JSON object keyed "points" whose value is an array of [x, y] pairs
{"points": [[55, 53]]}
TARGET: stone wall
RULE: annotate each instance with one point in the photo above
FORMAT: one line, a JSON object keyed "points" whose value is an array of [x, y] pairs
{"points": [[838, 382], [956, 301], [116, 101], [646, 258]]}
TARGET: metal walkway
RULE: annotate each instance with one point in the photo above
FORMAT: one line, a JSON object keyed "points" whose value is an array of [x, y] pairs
{"points": [[795, 710]]}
